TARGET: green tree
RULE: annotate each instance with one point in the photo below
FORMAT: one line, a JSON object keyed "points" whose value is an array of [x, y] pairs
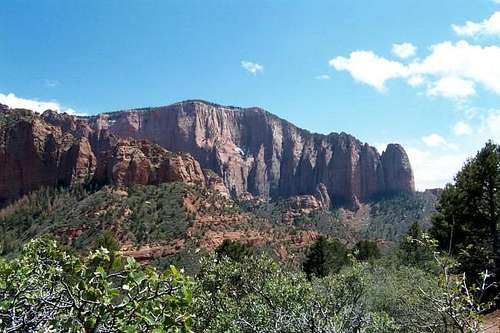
{"points": [[108, 241], [411, 252], [366, 250], [324, 257], [234, 250], [466, 224]]}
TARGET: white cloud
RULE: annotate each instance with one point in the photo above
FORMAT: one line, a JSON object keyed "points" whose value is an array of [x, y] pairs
{"points": [[380, 147], [452, 69], [463, 60], [452, 87], [416, 81], [404, 50], [323, 77], [12, 101], [490, 126], [368, 68], [462, 128], [425, 165], [251, 67], [487, 27], [436, 140], [434, 167]]}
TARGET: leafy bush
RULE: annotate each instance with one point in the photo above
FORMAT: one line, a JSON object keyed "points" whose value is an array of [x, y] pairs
{"points": [[259, 295], [47, 289]]}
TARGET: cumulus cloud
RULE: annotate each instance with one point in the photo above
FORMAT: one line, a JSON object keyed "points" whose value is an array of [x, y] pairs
{"points": [[368, 68], [452, 69], [452, 87], [416, 81], [463, 60], [252, 67], [435, 140], [462, 128], [12, 101], [323, 77], [404, 50], [487, 27], [439, 154]]}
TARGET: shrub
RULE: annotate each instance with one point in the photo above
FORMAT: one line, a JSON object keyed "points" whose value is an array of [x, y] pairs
{"points": [[48, 289]]}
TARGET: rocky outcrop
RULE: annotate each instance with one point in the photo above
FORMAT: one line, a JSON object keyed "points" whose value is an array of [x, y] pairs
{"points": [[61, 150], [322, 195], [256, 152], [306, 202], [398, 174], [140, 162], [215, 182]]}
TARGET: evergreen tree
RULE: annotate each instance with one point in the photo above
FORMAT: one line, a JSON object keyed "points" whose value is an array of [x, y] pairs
{"points": [[411, 252], [325, 257], [366, 250], [466, 224], [234, 250], [108, 241]]}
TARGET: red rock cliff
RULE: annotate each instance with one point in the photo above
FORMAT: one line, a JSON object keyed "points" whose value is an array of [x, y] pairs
{"points": [[256, 152], [57, 149]]}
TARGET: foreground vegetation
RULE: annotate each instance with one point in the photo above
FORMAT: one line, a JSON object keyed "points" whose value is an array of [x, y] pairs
{"points": [[47, 288]]}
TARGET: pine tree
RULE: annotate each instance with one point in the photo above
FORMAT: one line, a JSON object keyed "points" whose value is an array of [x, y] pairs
{"points": [[325, 257], [466, 224], [366, 250]]}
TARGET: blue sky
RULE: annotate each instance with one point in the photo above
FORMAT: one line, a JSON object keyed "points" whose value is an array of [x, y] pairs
{"points": [[411, 71]]}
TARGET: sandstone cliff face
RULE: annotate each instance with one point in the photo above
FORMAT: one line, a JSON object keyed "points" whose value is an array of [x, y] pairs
{"points": [[250, 151], [256, 152], [54, 149], [34, 154]]}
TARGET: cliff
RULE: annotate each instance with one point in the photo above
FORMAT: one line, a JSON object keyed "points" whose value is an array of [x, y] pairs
{"points": [[60, 150], [250, 151], [258, 153]]}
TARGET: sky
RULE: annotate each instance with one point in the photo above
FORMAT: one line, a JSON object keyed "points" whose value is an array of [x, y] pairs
{"points": [[422, 73]]}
